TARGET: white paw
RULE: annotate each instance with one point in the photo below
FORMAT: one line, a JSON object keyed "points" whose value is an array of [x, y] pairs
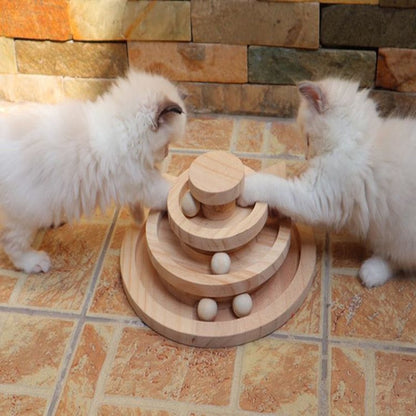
{"points": [[249, 195], [375, 271], [160, 198], [33, 262]]}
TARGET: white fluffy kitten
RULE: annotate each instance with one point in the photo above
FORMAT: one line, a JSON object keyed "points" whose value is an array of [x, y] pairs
{"points": [[58, 162], [361, 176]]}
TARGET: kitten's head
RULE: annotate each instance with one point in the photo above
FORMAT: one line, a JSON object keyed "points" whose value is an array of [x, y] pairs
{"points": [[333, 114], [151, 114]]}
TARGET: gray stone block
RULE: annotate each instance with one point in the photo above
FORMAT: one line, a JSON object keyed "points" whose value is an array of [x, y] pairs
{"points": [[368, 26], [268, 65], [394, 104]]}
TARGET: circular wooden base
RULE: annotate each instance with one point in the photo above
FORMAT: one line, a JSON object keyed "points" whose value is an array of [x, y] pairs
{"points": [[273, 303]]}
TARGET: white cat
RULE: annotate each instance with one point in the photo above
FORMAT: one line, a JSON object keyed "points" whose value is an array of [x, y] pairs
{"points": [[58, 162], [361, 176]]}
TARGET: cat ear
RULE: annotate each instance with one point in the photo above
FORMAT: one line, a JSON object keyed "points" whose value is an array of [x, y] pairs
{"points": [[313, 95], [164, 112]]}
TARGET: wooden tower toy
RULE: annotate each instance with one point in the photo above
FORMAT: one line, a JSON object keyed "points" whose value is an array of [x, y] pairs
{"points": [[209, 273]]}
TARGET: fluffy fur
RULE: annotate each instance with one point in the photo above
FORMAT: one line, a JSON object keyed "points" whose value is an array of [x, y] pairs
{"points": [[361, 176], [58, 162]]}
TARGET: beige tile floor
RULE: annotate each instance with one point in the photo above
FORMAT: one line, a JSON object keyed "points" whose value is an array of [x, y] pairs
{"points": [[70, 344]]}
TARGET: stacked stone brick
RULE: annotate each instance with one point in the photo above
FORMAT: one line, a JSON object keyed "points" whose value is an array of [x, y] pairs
{"points": [[232, 56]]}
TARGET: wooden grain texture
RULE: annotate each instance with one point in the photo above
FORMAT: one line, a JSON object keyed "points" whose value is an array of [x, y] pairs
{"points": [[216, 178], [251, 265], [218, 212], [204, 234], [273, 304], [163, 293]]}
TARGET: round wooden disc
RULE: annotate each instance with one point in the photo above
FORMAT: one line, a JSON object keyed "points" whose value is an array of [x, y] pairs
{"points": [[214, 235], [251, 265], [274, 302], [216, 178]]}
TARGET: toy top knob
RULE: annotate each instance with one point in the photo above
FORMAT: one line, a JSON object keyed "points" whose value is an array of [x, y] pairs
{"points": [[216, 178]]}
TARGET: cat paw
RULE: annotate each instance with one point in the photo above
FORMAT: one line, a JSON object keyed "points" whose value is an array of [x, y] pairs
{"points": [[33, 262], [250, 190], [375, 272]]}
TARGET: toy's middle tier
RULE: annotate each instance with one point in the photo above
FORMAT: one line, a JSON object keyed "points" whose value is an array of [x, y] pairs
{"points": [[186, 272]]}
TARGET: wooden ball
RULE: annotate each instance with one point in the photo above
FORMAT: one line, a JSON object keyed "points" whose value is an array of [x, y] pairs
{"points": [[190, 206], [220, 263], [242, 305], [207, 309]]}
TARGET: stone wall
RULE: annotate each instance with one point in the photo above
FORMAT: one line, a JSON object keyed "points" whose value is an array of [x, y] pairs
{"points": [[232, 56]]}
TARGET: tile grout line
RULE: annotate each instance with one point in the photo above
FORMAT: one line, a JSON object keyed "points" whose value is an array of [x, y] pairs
{"points": [[285, 120], [365, 344], [56, 314], [292, 337], [247, 155], [34, 391], [147, 403], [370, 383], [234, 136], [323, 397], [377, 345], [265, 142], [237, 372], [99, 393], [72, 345], [17, 290]]}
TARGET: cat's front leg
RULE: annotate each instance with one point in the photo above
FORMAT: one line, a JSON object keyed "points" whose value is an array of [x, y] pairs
{"points": [[277, 192], [157, 193], [295, 198], [375, 271], [16, 242], [138, 212]]}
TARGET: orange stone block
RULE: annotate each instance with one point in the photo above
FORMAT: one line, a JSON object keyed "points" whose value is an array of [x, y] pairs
{"points": [[85, 369], [384, 313], [280, 377], [207, 133], [395, 384], [147, 365], [74, 252], [191, 61], [22, 405], [7, 285], [285, 138], [266, 100], [109, 296], [348, 381], [46, 19], [396, 69], [31, 350], [250, 137], [179, 163]]}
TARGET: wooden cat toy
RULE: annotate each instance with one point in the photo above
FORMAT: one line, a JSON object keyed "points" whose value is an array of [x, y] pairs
{"points": [[209, 273]]}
